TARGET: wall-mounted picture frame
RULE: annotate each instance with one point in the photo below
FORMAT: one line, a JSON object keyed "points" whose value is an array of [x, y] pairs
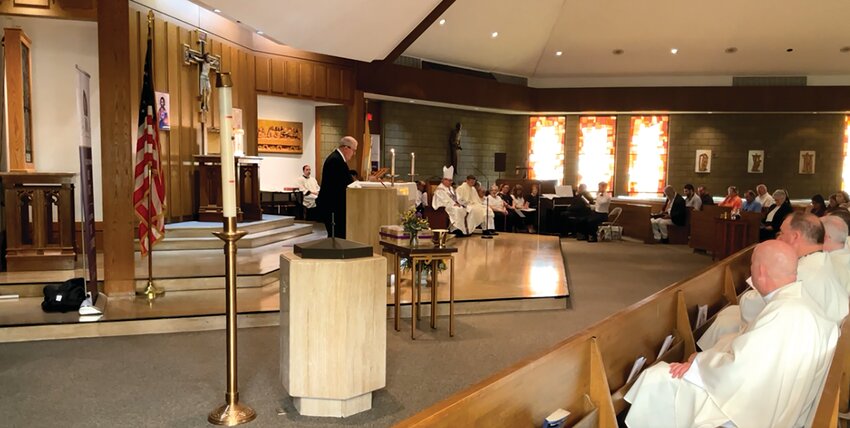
{"points": [[807, 161], [755, 161], [702, 162], [278, 136], [163, 108]]}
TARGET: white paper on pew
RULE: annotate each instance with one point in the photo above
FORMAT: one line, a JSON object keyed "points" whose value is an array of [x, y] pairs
{"points": [[519, 213], [549, 196], [636, 368], [702, 316], [665, 346]]}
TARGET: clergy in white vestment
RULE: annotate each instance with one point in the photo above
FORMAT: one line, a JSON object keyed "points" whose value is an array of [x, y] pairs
{"points": [[308, 186], [768, 376], [467, 195], [821, 281], [446, 197], [835, 236]]}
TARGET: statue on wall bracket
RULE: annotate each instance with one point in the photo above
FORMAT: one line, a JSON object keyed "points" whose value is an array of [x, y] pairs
{"points": [[454, 145]]}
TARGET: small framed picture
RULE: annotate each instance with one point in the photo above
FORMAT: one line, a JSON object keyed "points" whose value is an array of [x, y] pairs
{"points": [[703, 161], [755, 161], [807, 161], [163, 107]]}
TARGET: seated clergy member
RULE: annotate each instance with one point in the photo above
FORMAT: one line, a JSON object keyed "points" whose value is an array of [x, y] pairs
{"points": [[834, 244], [764, 198], [479, 215], [732, 199], [691, 198], [768, 376], [821, 283], [750, 204], [706, 198], [445, 197], [674, 213], [308, 186]]}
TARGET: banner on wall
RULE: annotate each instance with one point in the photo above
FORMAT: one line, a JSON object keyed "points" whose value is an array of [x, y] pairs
{"points": [[87, 194]]}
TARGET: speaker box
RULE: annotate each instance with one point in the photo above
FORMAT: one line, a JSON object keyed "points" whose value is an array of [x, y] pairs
{"points": [[499, 160]]}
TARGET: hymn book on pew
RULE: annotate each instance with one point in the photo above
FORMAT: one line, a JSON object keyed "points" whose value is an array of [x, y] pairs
{"points": [[702, 316], [557, 419], [636, 368], [665, 346]]}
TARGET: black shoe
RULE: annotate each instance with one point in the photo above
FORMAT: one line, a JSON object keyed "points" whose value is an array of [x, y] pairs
{"points": [[665, 241], [591, 239], [458, 233], [489, 232]]}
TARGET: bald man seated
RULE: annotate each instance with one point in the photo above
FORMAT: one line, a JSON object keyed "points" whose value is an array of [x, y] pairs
{"points": [[821, 281], [768, 376]]}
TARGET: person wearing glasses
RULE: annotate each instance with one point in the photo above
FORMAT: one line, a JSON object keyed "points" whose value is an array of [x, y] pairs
{"points": [[335, 179]]}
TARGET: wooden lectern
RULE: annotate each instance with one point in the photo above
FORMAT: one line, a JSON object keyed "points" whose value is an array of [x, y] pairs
{"points": [[368, 209], [247, 188]]}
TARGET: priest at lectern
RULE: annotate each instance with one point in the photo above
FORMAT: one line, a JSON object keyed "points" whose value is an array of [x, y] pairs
{"points": [[335, 179], [768, 376]]}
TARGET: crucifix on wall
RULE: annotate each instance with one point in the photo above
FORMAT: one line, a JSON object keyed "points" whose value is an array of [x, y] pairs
{"points": [[206, 63]]}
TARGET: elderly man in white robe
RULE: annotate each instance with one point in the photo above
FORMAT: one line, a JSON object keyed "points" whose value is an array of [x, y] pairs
{"points": [[768, 376], [835, 238], [467, 195], [446, 197], [821, 282]]}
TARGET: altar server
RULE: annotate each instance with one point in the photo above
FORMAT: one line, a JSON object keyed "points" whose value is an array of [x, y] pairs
{"points": [[768, 376], [308, 186], [446, 197], [467, 195]]}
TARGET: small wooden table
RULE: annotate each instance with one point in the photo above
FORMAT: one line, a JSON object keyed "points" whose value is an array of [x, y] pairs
{"points": [[732, 236], [428, 253]]}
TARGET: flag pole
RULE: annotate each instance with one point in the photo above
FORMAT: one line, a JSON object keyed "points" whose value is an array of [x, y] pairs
{"points": [[151, 292]]}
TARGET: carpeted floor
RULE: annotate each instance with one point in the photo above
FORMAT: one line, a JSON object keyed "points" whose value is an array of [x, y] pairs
{"points": [[174, 380]]}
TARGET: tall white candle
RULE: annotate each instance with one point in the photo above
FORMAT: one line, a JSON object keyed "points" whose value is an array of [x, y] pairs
{"points": [[228, 162], [412, 165], [392, 162]]}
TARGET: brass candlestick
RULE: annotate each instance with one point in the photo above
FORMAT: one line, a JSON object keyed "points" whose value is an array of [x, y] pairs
{"points": [[232, 412]]}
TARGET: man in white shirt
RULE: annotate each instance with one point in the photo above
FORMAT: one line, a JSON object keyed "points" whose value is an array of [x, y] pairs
{"points": [[768, 376], [446, 197], [599, 213], [691, 198], [763, 197], [308, 186], [834, 244], [479, 215]]}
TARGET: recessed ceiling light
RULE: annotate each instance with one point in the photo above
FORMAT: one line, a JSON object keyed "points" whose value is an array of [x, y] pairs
{"points": [[260, 33], [618, 52], [845, 49], [494, 34], [559, 53], [674, 51], [789, 50], [442, 22], [731, 50], [217, 10]]}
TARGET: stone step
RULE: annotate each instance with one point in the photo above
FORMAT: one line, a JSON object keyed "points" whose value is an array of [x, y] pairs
{"points": [[196, 229], [251, 240]]}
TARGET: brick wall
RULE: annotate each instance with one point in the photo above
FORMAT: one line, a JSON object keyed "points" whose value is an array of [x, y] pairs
{"points": [[426, 130], [331, 126]]}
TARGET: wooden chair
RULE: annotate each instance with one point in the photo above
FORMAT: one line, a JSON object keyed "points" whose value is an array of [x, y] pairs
{"points": [[437, 219]]}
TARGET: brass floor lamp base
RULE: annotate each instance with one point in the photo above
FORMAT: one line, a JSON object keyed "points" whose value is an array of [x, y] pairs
{"points": [[150, 292], [232, 415]]}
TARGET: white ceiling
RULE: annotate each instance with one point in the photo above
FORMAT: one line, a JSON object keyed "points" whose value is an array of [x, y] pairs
{"points": [[530, 32]]}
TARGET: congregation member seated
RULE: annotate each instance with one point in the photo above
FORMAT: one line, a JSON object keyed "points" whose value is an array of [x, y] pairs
{"points": [[599, 213], [758, 378], [764, 197], [674, 213], [526, 219], [309, 188], [477, 212], [691, 198], [775, 215], [505, 194], [838, 201], [582, 191], [706, 198], [751, 203], [835, 244], [732, 199], [818, 206], [501, 215]]}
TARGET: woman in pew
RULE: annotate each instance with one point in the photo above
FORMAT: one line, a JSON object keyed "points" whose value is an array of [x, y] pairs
{"points": [[775, 215], [818, 206]]}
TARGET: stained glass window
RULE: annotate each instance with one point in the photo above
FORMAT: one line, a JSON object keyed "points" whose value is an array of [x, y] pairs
{"points": [[546, 147], [648, 155], [596, 150]]}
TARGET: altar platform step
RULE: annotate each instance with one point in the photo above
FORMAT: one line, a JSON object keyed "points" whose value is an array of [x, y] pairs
{"points": [[199, 235]]}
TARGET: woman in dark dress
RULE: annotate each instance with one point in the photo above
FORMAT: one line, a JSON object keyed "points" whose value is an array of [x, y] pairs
{"points": [[775, 215]]}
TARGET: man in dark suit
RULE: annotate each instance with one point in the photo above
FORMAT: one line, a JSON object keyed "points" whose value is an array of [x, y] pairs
{"points": [[674, 212], [335, 180]]}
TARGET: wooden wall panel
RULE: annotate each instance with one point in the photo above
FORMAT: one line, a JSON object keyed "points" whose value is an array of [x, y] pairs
{"points": [[334, 83], [291, 78], [262, 70], [306, 79], [346, 84], [249, 113], [277, 77], [188, 110], [321, 81], [171, 153]]}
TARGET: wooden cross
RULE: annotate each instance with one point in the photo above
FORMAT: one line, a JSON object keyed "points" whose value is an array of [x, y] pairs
{"points": [[206, 63]]}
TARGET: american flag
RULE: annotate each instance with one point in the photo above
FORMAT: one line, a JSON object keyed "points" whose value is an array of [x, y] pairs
{"points": [[151, 212]]}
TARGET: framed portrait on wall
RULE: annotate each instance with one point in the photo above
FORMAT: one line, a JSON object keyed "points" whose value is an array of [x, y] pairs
{"points": [[702, 163], [755, 161], [807, 161], [278, 136], [163, 108]]}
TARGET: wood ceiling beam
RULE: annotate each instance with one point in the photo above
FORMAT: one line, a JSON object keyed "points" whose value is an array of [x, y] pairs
{"points": [[433, 16]]}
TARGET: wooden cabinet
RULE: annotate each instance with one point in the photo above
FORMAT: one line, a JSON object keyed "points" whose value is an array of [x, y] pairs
{"points": [[18, 64]]}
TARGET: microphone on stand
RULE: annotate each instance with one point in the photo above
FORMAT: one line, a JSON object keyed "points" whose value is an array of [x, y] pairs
{"points": [[488, 233]]}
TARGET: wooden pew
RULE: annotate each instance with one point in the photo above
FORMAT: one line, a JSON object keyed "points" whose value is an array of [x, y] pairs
{"points": [[586, 374], [702, 227], [635, 218]]}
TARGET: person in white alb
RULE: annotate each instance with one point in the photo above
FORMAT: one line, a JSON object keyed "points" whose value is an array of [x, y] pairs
{"points": [[768, 376], [834, 244], [446, 197], [479, 215], [308, 186], [763, 197], [821, 282]]}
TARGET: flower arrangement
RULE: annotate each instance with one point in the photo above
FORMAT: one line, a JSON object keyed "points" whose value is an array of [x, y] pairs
{"points": [[424, 267], [413, 222]]}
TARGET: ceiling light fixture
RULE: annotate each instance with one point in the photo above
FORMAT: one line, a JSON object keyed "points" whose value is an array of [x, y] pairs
{"points": [[731, 50], [494, 34], [618, 52], [674, 51], [559, 53], [789, 50], [845, 49], [217, 10], [442, 22]]}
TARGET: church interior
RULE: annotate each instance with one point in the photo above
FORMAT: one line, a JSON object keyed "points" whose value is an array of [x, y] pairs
{"points": [[421, 213]]}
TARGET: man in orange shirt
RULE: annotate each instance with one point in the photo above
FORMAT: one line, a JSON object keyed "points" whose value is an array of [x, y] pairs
{"points": [[732, 199]]}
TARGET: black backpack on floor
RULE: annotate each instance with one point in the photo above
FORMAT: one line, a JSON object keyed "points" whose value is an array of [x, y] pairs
{"points": [[64, 297]]}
